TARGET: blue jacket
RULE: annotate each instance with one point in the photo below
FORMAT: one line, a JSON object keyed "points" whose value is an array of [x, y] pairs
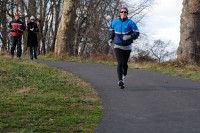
{"points": [[119, 28]]}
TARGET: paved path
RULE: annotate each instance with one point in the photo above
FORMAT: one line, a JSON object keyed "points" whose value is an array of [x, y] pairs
{"points": [[150, 103]]}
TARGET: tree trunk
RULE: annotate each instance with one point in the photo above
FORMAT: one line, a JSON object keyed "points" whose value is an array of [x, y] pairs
{"points": [[65, 33], [189, 46], [57, 21], [32, 8], [3, 22]]}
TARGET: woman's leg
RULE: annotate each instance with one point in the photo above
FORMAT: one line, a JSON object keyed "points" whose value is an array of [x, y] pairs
{"points": [[31, 52], [13, 45], [19, 46], [126, 55], [119, 56], [35, 52]]}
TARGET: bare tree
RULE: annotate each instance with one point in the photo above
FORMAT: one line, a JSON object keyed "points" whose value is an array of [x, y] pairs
{"points": [[57, 12], [90, 27], [65, 31], [159, 50], [93, 19], [154, 50], [48, 19], [43, 24], [32, 8], [3, 25]]}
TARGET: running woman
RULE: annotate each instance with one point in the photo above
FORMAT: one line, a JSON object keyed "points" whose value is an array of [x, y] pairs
{"points": [[122, 33]]}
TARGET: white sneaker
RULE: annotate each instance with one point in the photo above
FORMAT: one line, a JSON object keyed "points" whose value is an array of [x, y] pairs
{"points": [[124, 78]]}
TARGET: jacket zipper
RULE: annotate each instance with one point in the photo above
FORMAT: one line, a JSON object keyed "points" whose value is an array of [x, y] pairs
{"points": [[121, 32]]}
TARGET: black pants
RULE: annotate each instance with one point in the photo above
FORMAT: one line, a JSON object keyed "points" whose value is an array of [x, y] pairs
{"points": [[122, 60], [33, 52], [16, 41]]}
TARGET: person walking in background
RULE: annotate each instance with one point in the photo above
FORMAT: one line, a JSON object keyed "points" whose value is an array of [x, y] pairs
{"points": [[122, 33], [32, 42], [16, 28]]}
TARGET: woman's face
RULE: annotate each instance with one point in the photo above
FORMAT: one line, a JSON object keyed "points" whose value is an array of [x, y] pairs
{"points": [[16, 17], [32, 20], [123, 13]]}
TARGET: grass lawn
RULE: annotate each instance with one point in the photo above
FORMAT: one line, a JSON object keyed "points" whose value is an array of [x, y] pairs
{"points": [[176, 68], [38, 98]]}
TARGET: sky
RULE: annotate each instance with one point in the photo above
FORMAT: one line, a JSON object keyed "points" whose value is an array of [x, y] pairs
{"points": [[163, 20]]}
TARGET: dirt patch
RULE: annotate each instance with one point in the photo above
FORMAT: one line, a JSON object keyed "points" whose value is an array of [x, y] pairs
{"points": [[26, 90]]}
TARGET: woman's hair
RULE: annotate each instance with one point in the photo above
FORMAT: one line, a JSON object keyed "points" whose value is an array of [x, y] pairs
{"points": [[17, 14], [123, 7]]}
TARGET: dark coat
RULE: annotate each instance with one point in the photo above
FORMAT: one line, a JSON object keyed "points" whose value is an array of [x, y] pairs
{"points": [[32, 35]]}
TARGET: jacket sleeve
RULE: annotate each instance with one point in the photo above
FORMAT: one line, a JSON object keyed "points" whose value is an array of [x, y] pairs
{"points": [[111, 32], [10, 27], [23, 27], [36, 28], [28, 27], [135, 34]]}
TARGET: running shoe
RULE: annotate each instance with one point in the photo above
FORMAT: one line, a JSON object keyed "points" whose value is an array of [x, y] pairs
{"points": [[121, 84], [124, 78]]}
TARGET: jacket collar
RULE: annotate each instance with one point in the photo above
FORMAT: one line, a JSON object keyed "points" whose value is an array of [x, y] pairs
{"points": [[123, 19]]}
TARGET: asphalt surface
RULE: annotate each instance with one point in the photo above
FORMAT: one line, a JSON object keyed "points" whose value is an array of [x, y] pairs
{"points": [[150, 103]]}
